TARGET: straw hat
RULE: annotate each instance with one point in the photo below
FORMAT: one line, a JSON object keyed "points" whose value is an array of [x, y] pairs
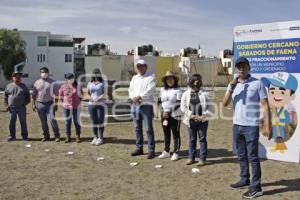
{"points": [[169, 74]]}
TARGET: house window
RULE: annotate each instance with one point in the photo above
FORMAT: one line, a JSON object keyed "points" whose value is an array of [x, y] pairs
{"points": [[68, 57], [229, 64], [41, 58], [42, 41]]}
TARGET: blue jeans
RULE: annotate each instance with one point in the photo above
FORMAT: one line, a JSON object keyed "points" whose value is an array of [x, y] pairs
{"points": [[198, 129], [140, 113], [245, 139], [97, 114], [75, 114], [13, 112], [45, 111]]}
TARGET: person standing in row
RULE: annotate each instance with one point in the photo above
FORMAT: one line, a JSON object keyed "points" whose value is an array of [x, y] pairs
{"points": [[45, 97], [196, 108], [141, 90], [16, 97], [170, 96], [70, 94], [97, 105], [246, 94]]}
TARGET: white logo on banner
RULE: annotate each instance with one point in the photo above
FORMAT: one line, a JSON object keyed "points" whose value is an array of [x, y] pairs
{"points": [[281, 77]]}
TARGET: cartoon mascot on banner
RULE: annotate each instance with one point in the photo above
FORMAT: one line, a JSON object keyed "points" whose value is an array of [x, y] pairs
{"points": [[281, 91]]}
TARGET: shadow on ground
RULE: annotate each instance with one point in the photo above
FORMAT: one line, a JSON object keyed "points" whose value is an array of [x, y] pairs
{"points": [[288, 186]]}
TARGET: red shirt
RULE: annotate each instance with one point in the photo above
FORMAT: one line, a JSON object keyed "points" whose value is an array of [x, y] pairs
{"points": [[70, 96]]}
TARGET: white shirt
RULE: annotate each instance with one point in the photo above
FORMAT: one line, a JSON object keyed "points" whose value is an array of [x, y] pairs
{"points": [[96, 90], [207, 106], [143, 86], [169, 97]]}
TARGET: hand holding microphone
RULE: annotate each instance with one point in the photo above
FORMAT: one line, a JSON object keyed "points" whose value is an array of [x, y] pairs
{"points": [[233, 83]]}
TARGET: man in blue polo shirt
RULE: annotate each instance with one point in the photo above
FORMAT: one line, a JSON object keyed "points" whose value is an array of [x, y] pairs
{"points": [[247, 94]]}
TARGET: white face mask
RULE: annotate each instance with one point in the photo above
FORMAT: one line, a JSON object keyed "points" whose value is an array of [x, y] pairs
{"points": [[70, 81], [44, 75]]}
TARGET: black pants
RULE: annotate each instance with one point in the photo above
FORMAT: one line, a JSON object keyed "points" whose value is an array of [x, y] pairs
{"points": [[174, 126]]}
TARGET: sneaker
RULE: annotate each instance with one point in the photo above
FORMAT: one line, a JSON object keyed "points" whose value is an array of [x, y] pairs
{"points": [[252, 193], [68, 139], [175, 157], [137, 152], [190, 161], [164, 154], [94, 141], [151, 155], [57, 139], [26, 139], [78, 139], [99, 142], [201, 162], [45, 139], [10, 139], [239, 185]]}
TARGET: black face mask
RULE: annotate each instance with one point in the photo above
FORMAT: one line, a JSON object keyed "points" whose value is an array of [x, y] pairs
{"points": [[96, 77]]}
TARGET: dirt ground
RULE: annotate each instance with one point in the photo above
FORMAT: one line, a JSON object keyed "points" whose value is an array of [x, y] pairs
{"points": [[33, 173]]}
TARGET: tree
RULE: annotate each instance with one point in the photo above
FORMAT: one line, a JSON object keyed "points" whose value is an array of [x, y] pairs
{"points": [[12, 51]]}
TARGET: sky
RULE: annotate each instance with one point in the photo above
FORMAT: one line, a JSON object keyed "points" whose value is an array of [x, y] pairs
{"points": [[167, 24]]}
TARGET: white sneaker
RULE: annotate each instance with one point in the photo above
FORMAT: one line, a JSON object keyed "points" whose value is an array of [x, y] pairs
{"points": [[99, 142], [94, 141], [175, 156], [164, 154]]}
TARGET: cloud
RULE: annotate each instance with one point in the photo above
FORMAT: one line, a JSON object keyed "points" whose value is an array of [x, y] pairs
{"points": [[125, 29]]}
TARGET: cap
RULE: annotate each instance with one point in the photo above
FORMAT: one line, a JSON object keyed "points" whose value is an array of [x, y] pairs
{"points": [[141, 62], [242, 60], [281, 79], [18, 68], [15, 73], [96, 71]]}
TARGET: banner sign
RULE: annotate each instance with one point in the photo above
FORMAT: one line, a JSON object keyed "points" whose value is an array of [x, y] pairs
{"points": [[270, 56], [273, 51]]}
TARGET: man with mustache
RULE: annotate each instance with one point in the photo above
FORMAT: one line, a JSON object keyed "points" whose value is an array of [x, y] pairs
{"points": [[16, 97], [247, 94]]}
